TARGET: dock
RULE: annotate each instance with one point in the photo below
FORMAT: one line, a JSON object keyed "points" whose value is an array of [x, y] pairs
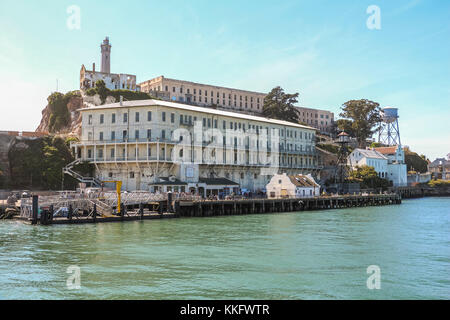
{"points": [[209, 208], [94, 211]]}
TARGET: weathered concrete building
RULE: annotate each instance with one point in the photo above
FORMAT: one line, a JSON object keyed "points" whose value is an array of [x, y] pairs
{"points": [[204, 95], [152, 143], [112, 81], [440, 168], [319, 119]]}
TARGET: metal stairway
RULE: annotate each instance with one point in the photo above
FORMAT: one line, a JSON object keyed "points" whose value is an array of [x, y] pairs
{"points": [[88, 180]]}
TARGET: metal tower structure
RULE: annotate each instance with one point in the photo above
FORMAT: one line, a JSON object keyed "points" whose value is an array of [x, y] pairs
{"points": [[342, 170], [389, 133]]}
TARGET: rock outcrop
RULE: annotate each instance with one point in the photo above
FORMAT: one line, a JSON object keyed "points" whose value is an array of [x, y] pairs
{"points": [[75, 103]]}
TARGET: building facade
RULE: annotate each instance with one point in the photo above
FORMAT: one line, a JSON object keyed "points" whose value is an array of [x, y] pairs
{"points": [[204, 95], [440, 168], [319, 119], [388, 162], [143, 143], [113, 81], [292, 186]]}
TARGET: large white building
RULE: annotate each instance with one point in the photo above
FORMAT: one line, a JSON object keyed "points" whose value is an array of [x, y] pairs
{"points": [[388, 162], [161, 145]]}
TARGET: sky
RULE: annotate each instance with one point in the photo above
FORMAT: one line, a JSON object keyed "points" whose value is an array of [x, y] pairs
{"points": [[324, 50]]}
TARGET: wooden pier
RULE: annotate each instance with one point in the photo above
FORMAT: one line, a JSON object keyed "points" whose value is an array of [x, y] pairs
{"points": [[208, 208]]}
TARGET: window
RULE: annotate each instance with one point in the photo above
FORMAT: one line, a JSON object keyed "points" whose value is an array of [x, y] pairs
{"points": [[136, 117], [113, 135], [163, 134], [101, 136], [110, 174], [113, 153], [149, 116], [149, 133], [172, 117], [113, 118], [102, 118], [181, 89], [163, 117], [131, 175], [136, 134], [173, 89], [125, 117], [124, 134], [90, 119]]}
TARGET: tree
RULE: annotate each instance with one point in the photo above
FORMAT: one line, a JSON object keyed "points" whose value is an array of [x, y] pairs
{"points": [[364, 116], [59, 114], [414, 162], [345, 125], [368, 178], [280, 105]]}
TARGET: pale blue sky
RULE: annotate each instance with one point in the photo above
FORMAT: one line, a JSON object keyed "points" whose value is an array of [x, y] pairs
{"points": [[321, 49]]}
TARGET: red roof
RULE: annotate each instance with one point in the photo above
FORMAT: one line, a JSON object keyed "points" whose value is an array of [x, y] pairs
{"points": [[387, 150]]}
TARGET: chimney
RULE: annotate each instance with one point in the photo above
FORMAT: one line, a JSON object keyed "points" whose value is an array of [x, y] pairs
{"points": [[93, 67]]}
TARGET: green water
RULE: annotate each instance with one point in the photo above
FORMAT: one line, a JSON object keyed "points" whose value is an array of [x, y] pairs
{"points": [[309, 255]]}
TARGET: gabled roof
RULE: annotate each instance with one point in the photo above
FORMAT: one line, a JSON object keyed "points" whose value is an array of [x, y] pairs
{"points": [[387, 150], [187, 107], [370, 153], [300, 180]]}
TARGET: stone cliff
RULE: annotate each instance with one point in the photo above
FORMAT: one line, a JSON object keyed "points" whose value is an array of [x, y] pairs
{"points": [[75, 102]]}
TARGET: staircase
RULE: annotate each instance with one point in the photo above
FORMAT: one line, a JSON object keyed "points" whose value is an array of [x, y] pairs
{"points": [[93, 182]]}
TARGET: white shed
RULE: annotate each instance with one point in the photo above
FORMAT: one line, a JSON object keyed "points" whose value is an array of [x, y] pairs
{"points": [[296, 186]]}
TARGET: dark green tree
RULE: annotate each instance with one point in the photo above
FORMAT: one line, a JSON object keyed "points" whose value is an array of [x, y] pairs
{"points": [[59, 114], [368, 178], [364, 116], [280, 105], [345, 125]]}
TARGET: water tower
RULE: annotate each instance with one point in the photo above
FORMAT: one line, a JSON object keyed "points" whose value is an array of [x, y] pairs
{"points": [[389, 132]]}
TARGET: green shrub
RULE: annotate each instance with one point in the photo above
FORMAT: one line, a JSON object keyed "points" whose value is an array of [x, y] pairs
{"points": [[439, 183]]}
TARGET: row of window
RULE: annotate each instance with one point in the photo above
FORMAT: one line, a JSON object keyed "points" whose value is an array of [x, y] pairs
{"points": [[315, 115], [207, 122], [205, 93], [283, 159]]}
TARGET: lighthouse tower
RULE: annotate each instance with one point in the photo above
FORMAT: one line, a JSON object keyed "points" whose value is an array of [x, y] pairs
{"points": [[106, 56]]}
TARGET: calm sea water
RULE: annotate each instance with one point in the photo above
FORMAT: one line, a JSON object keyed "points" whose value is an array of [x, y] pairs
{"points": [[309, 255]]}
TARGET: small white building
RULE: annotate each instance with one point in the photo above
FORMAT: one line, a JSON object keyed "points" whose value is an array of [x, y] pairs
{"points": [[296, 186], [397, 171], [371, 158], [388, 162]]}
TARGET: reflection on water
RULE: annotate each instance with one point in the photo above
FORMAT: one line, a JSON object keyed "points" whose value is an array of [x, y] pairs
{"points": [[309, 255]]}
